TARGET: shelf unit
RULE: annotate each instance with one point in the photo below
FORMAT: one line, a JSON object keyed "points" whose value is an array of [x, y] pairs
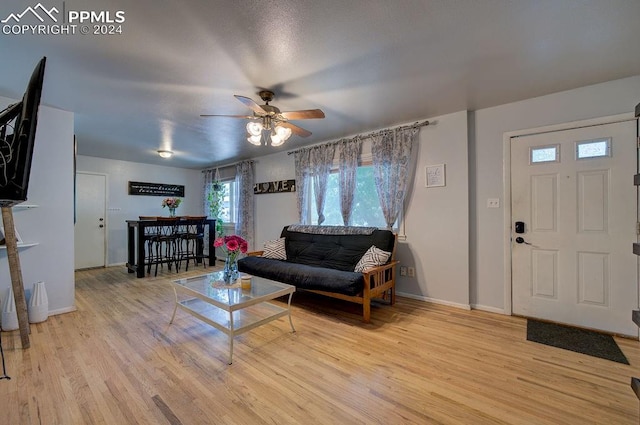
{"points": [[23, 244]]}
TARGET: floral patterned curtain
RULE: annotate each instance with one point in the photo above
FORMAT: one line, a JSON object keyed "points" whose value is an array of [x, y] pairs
{"points": [[349, 154], [208, 177], [391, 152], [303, 172], [245, 206], [321, 158], [313, 166]]}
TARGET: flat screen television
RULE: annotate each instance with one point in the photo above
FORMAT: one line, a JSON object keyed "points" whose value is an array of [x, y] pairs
{"points": [[18, 124]]}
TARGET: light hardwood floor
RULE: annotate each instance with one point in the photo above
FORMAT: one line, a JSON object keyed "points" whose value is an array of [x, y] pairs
{"points": [[117, 361]]}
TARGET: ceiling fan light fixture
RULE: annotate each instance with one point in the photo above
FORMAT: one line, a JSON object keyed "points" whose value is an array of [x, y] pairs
{"points": [[280, 135], [254, 128], [165, 154], [255, 139]]}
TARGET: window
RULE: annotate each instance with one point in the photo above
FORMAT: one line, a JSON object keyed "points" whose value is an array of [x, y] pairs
{"points": [[227, 202], [593, 148], [366, 206], [228, 213], [541, 154]]}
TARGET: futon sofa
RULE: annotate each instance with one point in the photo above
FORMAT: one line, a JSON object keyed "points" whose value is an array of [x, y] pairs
{"points": [[323, 259]]}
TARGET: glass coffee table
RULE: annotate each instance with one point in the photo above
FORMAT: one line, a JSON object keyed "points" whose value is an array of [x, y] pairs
{"points": [[228, 307]]}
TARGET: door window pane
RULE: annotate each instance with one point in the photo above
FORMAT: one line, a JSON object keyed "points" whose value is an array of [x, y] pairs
{"points": [[544, 154], [593, 148]]}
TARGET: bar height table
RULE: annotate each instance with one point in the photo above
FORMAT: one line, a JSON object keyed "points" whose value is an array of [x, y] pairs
{"points": [[136, 242]]}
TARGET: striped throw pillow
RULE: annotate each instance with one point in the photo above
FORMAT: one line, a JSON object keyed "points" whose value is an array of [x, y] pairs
{"points": [[275, 249], [372, 258]]}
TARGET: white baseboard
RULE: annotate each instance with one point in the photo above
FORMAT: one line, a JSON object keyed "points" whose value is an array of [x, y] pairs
{"points": [[488, 308], [62, 310], [116, 264], [434, 300]]}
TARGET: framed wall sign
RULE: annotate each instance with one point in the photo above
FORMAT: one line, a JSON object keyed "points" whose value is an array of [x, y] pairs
{"points": [[275, 187], [435, 175], [156, 189]]}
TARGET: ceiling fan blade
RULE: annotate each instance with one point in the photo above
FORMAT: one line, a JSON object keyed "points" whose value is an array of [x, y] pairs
{"points": [[251, 104], [302, 115], [295, 129], [228, 116]]}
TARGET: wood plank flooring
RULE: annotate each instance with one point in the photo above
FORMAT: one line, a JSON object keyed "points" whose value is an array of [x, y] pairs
{"points": [[117, 361]]}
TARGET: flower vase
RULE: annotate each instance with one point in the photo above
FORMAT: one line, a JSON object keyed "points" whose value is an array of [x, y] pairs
{"points": [[9, 312], [230, 271], [38, 308], [172, 212]]}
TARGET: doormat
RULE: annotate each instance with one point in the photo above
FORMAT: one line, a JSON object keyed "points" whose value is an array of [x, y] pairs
{"points": [[574, 339]]}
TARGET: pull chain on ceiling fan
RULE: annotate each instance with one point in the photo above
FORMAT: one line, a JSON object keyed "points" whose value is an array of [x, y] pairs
{"points": [[269, 121]]}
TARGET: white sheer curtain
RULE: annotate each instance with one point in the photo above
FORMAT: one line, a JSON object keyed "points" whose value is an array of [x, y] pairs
{"points": [[349, 154], [244, 201], [391, 152], [208, 177]]}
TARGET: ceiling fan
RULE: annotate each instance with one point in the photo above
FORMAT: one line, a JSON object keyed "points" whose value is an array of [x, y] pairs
{"points": [[270, 119]]}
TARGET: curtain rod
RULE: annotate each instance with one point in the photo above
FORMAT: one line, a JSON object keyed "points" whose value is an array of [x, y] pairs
{"points": [[206, 170], [417, 124]]}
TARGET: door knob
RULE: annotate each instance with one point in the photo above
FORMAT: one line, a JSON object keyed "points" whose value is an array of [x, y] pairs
{"points": [[520, 239]]}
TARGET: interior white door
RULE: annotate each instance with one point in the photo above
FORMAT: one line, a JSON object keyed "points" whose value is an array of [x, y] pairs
{"points": [[90, 228], [574, 262]]}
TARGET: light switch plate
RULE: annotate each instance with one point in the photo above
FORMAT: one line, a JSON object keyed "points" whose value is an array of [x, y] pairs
{"points": [[493, 203]]}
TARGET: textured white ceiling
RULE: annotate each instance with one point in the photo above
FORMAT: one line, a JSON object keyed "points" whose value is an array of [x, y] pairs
{"points": [[367, 64]]}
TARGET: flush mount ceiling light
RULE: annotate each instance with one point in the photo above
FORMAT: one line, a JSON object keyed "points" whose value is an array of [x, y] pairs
{"points": [[270, 123], [165, 154]]}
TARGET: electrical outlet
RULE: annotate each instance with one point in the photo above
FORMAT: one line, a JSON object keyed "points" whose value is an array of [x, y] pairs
{"points": [[403, 270], [411, 271]]}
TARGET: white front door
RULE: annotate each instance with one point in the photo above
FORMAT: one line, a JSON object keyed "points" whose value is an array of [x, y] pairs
{"points": [[90, 228], [573, 191]]}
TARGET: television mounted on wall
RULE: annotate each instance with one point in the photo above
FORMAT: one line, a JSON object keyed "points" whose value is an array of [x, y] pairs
{"points": [[18, 124]]}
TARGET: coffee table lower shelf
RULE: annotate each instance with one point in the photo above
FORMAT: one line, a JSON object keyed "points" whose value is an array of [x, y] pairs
{"points": [[232, 320]]}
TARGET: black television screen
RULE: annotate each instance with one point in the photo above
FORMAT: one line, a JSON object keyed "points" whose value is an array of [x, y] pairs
{"points": [[18, 125]]}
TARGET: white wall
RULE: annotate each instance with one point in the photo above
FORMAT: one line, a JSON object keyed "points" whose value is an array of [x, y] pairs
{"points": [[487, 127], [273, 211], [51, 224], [436, 218], [121, 206]]}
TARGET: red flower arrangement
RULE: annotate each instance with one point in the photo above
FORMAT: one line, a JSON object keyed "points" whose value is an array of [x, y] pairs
{"points": [[233, 245]]}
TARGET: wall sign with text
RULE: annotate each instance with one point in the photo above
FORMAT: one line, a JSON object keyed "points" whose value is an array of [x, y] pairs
{"points": [[156, 189], [275, 187]]}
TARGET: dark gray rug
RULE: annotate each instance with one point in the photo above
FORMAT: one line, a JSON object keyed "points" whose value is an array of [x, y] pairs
{"points": [[574, 339]]}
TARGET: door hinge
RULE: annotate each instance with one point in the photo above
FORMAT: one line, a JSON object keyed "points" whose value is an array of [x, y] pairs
{"points": [[637, 228]]}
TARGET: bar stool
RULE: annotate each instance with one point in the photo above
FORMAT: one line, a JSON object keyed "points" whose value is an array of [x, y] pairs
{"points": [[191, 243], [164, 244], [149, 233]]}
